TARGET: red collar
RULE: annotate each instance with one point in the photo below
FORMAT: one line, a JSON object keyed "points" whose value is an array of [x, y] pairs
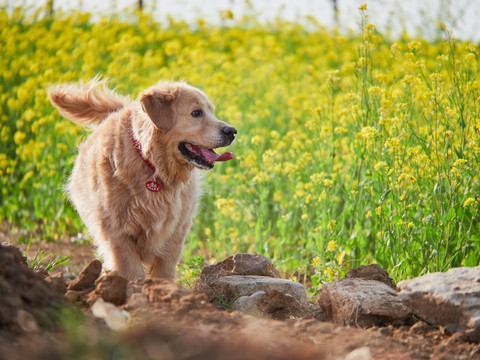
{"points": [[151, 185]]}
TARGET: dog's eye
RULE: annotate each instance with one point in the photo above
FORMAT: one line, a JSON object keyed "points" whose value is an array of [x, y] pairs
{"points": [[197, 113]]}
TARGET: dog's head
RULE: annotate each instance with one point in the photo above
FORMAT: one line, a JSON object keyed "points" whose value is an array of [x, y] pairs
{"points": [[185, 117]]}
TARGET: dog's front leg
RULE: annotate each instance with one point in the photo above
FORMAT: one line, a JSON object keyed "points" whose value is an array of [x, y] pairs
{"points": [[165, 262], [121, 255]]}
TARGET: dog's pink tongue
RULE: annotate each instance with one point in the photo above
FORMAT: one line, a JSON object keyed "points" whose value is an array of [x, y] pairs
{"points": [[212, 156]]}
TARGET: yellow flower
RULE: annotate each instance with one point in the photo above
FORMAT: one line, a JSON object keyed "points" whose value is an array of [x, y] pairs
{"points": [[362, 7], [328, 271], [414, 45], [327, 183], [332, 244], [26, 177], [256, 140], [378, 166], [277, 196], [375, 90], [315, 261], [368, 132], [469, 201], [19, 137], [331, 225], [340, 130]]}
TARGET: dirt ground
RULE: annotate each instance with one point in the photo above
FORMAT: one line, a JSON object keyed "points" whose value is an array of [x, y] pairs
{"points": [[180, 324]]}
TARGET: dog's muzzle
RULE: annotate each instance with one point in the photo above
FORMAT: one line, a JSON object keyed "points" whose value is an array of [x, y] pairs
{"points": [[228, 134]]}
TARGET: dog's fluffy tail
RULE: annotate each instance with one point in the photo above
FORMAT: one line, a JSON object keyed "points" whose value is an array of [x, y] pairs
{"points": [[86, 104]]}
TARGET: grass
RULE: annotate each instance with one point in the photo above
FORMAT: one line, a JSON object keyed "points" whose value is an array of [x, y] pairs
{"points": [[351, 149], [43, 261]]}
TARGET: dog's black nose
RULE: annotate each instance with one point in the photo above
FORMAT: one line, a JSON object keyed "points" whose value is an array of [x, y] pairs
{"points": [[229, 130]]}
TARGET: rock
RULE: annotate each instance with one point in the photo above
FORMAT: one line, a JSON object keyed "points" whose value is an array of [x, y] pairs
{"points": [[361, 302], [371, 272], [112, 288], [362, 353], [57, 283], [420, 328], [449, 299], [86, 278], [239, 264], [386, 331], [26, 321], [271, 305], [473, 335], [115, 318], [225, 290]]}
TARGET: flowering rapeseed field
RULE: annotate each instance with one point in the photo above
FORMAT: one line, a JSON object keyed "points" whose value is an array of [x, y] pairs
{"points": [[351, 149]]}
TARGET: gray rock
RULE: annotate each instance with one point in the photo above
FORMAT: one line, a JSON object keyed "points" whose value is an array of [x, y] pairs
{"points": [[362, 353], [362, 302], [449, 299], [239, 264], [115, 318], [249, 304], [228, 289], [271, 305]]}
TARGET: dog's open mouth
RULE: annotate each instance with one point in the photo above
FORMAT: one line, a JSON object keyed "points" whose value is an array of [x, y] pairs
{"points": [[202, 157]]}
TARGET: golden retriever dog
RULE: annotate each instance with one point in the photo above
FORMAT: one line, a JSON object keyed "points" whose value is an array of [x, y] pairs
{"points": [[135, 181]]}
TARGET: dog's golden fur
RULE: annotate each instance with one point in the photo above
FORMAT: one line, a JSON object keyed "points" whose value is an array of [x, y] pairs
{"points": [[138, 232]]}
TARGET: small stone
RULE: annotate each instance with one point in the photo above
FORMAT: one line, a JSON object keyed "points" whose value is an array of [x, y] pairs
{"points": [[115, 318], [86, 278], [26, 321], [362, 353], [386, 331], [371, 272], [420, 328], [473, 335], [249, 304], [112, 288], [239, 264], [450, 329]]}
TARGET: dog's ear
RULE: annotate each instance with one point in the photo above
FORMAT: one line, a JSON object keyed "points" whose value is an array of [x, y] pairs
{"points": [[159, 106]]}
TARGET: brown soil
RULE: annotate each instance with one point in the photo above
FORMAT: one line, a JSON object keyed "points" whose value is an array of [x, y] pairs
{"points": [[175, 323]]}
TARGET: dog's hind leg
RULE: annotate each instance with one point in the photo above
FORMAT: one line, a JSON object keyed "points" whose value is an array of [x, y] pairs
{"points": [[165, 262]]}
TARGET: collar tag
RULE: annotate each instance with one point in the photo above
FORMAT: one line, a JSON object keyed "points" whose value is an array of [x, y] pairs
{"points": [[153, 186]]}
